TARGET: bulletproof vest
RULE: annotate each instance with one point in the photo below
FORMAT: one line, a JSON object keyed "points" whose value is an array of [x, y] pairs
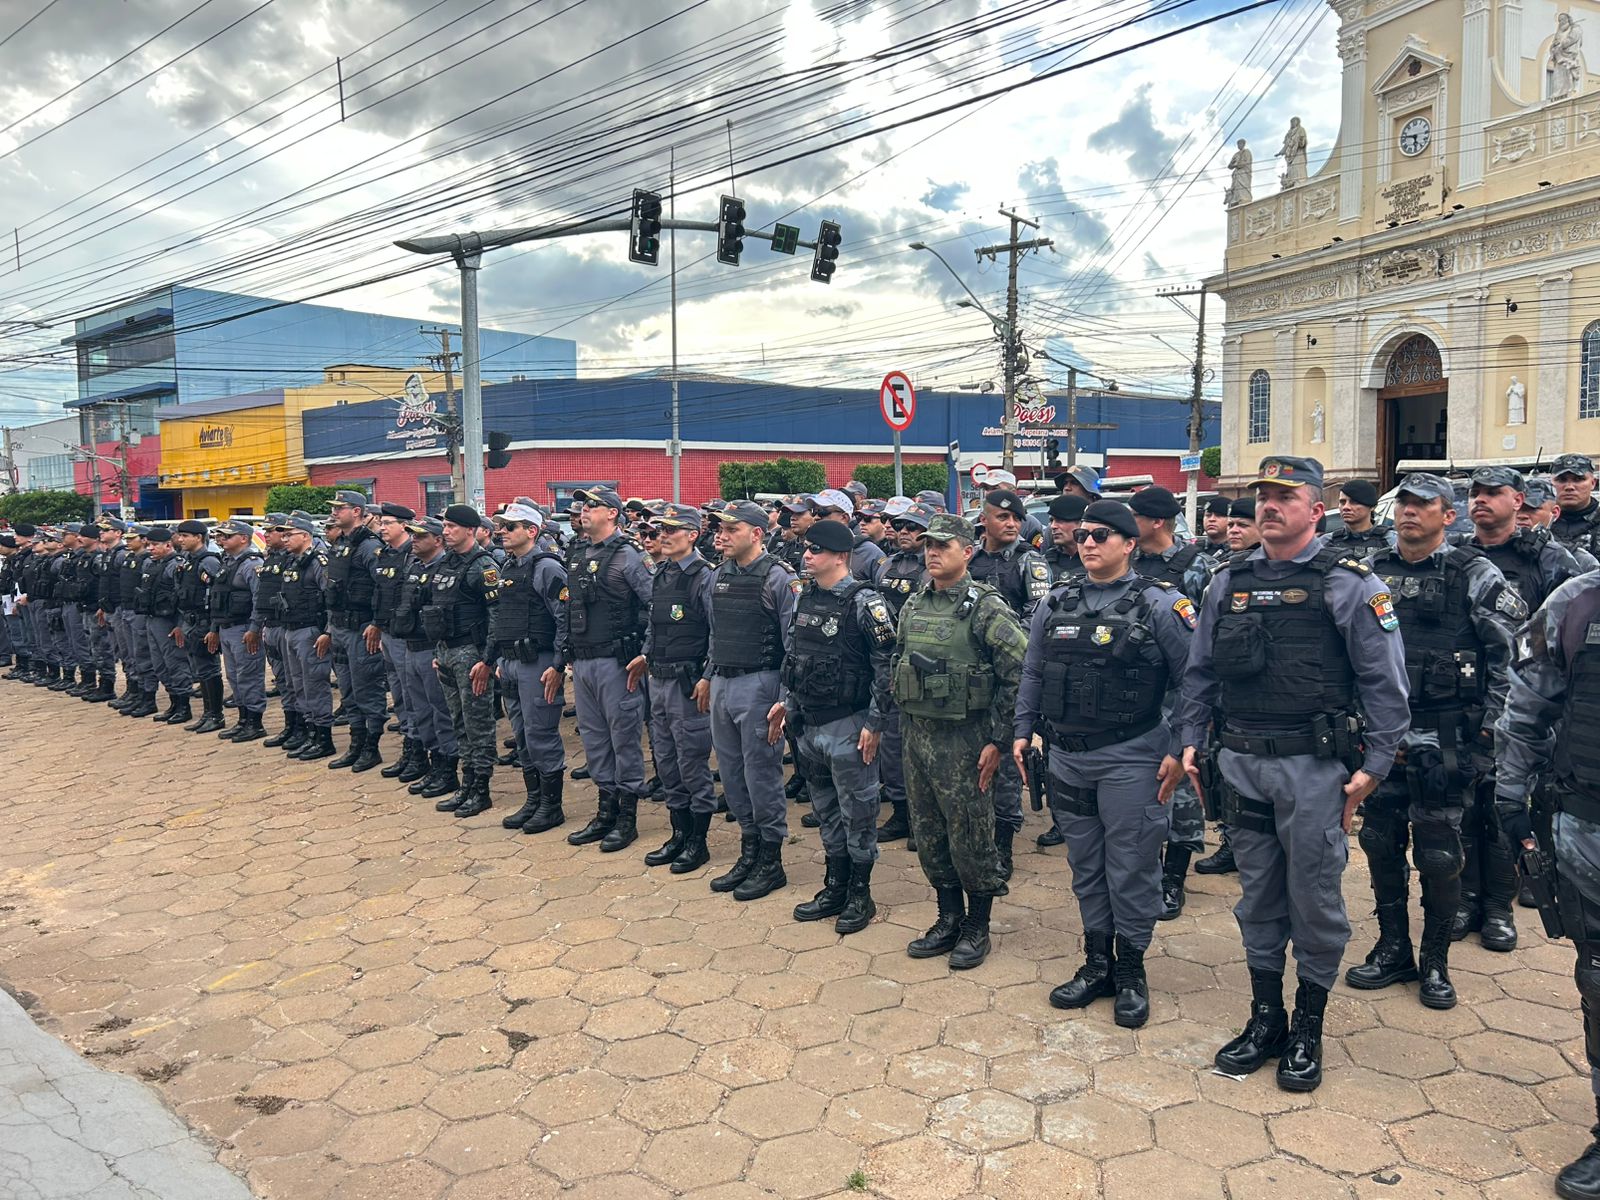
{"points": [[300, 598], [1518, 560], [1577, 758], [104, 563], [230, 598], [1280, 658], [50, 585], [128, 567], [1003, 574], [390, 571], [1360, 545], [414, 593], [941, 672], [269, 585], [706, 543], [1583, 533], [452, 612], [1444, 655], [902, 575], [195, 574], [1103, 669], [160, 581], [679, 632], [1063, 565], [350, 587], [744, 636], [1167, 570], [77, 578], [520, 613], [144, 592], [828, 668], [603, 614]]}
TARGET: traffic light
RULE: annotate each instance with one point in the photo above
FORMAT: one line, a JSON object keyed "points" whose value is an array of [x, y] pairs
{"points": [[1052, 452], [499, 455], [644, 244], [730, 230], [823, 262]]}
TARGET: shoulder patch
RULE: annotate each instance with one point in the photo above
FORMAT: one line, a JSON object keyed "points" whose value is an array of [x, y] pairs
{"points": [[1184, 608], [1510, 603], [1039, 569], [565, 595], [795, 585], [1383, 608], [491, 577]]}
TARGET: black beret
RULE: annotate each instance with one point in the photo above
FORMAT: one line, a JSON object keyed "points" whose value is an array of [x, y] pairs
{"points": [[1115, 514], [1360, 491], [1006, 501], [830, 535], [1068, 508], [398, 511], [1156, 503], [159, 533], [9, 541], [1218, 506], [196, 527], [23, 529], [463, 515], [1244, 506]]}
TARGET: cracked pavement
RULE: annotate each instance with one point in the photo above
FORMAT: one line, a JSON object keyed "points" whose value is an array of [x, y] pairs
{"points": [[352, 996]]}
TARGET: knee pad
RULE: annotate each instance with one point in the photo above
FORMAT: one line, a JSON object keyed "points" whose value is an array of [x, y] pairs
{"points": [[1383, 835], [1437, 852]]}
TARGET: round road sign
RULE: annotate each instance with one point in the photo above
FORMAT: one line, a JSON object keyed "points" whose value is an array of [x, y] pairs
{"points": [[897, 401]]}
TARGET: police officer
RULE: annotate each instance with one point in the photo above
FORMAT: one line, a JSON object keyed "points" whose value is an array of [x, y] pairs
{"points": [[233, 605], [1102, 651], [872, 524], [1539, 511], [389, 573], [463, 588], [839, 506], [302, 605], [958, 659], [526, 624], [18, 621], [835, 694], [899, 575], [272, 638], [74, 587], [1288, 639], [139, 698], [1010, 565], [103, 542], [752, 598], [1358, 536], [1243, 535], [38, 598], [1031, 531], [1550, 714], [197, 567], [1458, 618], [1078, 481], [1578, 523], [1214, 521], [675, 655], [608, 599], [429, 713], [352, 583], [1062, 556], [158, 583]]}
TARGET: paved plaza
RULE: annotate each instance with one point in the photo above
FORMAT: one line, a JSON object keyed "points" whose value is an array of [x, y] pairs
{"points": [[349, 995]]}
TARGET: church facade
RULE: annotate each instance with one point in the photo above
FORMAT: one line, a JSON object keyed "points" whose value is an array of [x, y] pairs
{"points": [[1430, 296]]}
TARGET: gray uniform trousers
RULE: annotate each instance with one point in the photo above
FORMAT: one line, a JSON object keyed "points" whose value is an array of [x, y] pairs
{"points": [[247, 673], [430, 714], [169, 661], [610, 722], [76, 648], [202, 663], [117, 619], [141, 666], [364, 695], [44, 638], [308, 676], [891, 763], [844, 790], [275, 642], [1289, 880], [752, 771], [97, 639], [8, 641], [394, 657], [536, 724], [681, 734], [1114, 841], [472, 715]]}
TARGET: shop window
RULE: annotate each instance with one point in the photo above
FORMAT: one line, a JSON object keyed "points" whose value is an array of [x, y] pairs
{"points": [[1260, 406], [436, 495]]}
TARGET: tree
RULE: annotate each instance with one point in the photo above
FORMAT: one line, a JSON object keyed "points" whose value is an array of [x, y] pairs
{"points": [[287, 497], [45, 508], [1211, 461], [917, 477], [773, 477]]}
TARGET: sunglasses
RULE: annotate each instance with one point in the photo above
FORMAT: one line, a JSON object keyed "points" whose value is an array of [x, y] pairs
{"points": [[902, 526], [649, 531], [1099, 535]]}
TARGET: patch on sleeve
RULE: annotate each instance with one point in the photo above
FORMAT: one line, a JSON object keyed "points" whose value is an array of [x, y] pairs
{"points": [[1040, 569], [565, 595], [1383, 608], [491, 577], [1511, 603], [1184, 607], [795, 585]]}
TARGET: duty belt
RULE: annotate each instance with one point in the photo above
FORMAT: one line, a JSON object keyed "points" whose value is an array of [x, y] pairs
{"points": [[1081, 743], [822, 716], [1269, 745], [736, 672], [465, 639], [1576, 804]]}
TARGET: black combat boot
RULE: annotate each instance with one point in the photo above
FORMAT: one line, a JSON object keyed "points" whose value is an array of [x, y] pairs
{"points": [[417, 767], [478, 800], [319, 744], [695, 854], [579, 773], [1436, 990], [1499, 929], [810, 820], [232, 731], [430, 768], [131, 694], [178, 710], [1390, 961], [549, 814], [1266, 1033], [972, 947], [445, 781], [1003, 837], [67, 678], [625, 831], [897, 826], [252, 730], [48, 676], [462, 794], [20, 669], [145, 706], [830, 901], [211, 720], [1220, 863], [796, 785], [1094, 980], [1174, 866], [297, 736], [530, 781], [605, 818], [749, 846], [766, 876], [1300, 1066], [358, 738], [673, 846], [369, 756], [107, 691], [291, 722], [1469, 912], [946, 931], [1132, 1009], [1050, 837], [858, 907], [408, 751], [1580, 1179]]}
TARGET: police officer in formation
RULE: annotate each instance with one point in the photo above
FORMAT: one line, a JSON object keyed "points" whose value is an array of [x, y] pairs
{"points": [[838, 506], [266, 627], [301, 605], [434, 772], [16, 641], [1458, 617], [351, 587], [1062, 555], [197, 565], [1540, 510], [1103, 650], [1029, 529], [899, 575], [1577, 525], [232, 601], [389, 576], [1358, 535], [1214, 523], [1293, 641]]}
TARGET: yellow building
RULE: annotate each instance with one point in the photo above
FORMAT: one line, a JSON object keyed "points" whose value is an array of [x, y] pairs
{"points": [[1431, 295], [225, 454]]}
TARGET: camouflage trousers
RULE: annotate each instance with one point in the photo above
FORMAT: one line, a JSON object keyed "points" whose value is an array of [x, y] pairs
{"points": [[951, 819], [471, 715]]}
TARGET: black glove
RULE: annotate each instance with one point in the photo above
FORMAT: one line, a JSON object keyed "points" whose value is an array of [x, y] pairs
{"points": [[1516, 822]]}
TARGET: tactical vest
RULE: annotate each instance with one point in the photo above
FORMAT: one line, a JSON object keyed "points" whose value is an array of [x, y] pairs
{"points": [[145, 583], [350, 588], [49, 581], [828, 670], [603, 616], [1577, 758], [1103, 674], [106, 565], [1360, 545], [452, 615], [414, 592], [1167, 570], [300, 598], [195, 575], [902, 575], [941, 672], [1518, 560], [1003, 575], [521, 624], [1280, 658], [1583, 533], [679, 632], [161, 586], [744, 636], [269, 586], [390, 572], [127, 578], [1063, 565], [77, 577], [1444, 655], [230, 599]]}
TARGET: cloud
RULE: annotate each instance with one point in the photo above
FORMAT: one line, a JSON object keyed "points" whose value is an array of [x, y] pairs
{"points": [[838, 312], [1134, 133], [946, 197]]}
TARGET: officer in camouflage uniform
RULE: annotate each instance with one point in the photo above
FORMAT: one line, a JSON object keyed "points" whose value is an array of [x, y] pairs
{"points": [[198, 564], [1458, 617], [1577, 525], [1539, 511], [232, 602], [1551, 712], [957, 663], [1357, 535], [899, 575]]}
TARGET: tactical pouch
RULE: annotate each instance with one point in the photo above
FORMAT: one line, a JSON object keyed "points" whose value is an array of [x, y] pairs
{"points": [[1246, 812], [434, 623], [1241, 648], [1053, 690], [1428, 780], [1079, 801]]}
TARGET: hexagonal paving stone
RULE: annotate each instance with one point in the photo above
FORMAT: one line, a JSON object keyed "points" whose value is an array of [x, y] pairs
{"points": [[626, 1019], [1394, 1052], [1334, 1141], [649, 1057], [921, 1169], [896, 1030], [1038, 1170], [717, 1021], [878, 1114], [578, 1096], [694, 1157], [1039, 1076], [1212, 1134], [771, 1110], [1159, 1173], [936, 1073], [983, 1120], [1278, 1178], [1485, 1100], [481, 1145], [1456, 1147], [1145, 1083], [387, 1137], [677, 1100], [598, 1147], [805, 1164], [1372, 1095], [1516, 1059], [1096, 1126], [477, 1094], [991, 1035], [837, 1068], [805, 1025]]}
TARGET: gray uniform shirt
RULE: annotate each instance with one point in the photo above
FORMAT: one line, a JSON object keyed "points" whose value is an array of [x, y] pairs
{"points": [[1195, 577], [550, 589], [778, 591], [875, 626], [628, 570]]}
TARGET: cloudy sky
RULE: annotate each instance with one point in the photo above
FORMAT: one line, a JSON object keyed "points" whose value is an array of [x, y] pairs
{"points": [[150, 141]]}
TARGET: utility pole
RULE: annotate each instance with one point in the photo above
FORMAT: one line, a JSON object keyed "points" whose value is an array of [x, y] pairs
{"points": [[1073, 425], [1013, 337], [124, 477], [9, 461], [445, 361], [1197, 411], [675, 447]]}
